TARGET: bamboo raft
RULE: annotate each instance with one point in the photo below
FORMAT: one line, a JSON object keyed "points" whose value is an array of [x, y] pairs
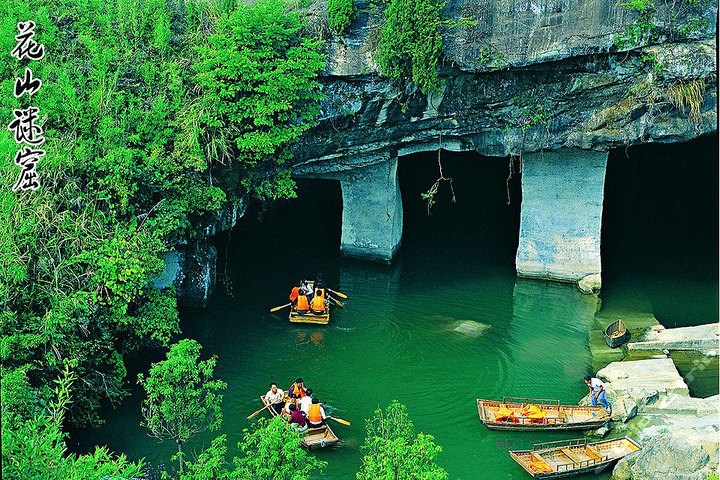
{"points": [[572, 457], [616, 334], [310, 317], [529, 415], [313, 438]]}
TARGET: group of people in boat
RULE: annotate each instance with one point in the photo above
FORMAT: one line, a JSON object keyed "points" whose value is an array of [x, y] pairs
{"points": [[297, 405], [306, 299]]}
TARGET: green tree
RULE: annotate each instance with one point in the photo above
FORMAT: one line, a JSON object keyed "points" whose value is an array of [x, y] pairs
{"points": [[33, 447], [272, 451], [341, 14], [182, 397], [259, 92], [410, 45], [393, 451]]}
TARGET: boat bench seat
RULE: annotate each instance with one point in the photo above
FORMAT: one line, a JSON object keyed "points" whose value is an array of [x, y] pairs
{"points": [[571, 455]]}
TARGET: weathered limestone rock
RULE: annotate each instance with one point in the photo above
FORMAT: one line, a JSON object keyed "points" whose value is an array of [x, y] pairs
{"points": [[701, 338], [561, 213], [372, 208], [678, 433], [590, 283], [667, 457], [199, 274], [191, 266], [636, 377]]}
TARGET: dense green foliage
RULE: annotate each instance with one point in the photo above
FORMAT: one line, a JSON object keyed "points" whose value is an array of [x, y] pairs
{"points": [[410, 46], [33, 444], [341, 14], [155, 115], [271, 451], [182, 397], [393, 451]]}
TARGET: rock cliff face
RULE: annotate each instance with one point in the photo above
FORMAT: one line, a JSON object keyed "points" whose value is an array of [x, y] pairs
{"points": [[522, 77], [522, 55]]}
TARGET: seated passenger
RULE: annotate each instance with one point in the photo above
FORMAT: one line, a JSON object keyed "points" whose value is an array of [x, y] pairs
{"points": [[316, 414], [297, 418], [295, 292], [301, 304], [297, 389], [275, 397], [306, 401], [317, 306], [306, 288]]}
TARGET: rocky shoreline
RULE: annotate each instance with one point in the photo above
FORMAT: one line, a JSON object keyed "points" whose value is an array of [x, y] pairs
{"points": [[651, 401]]}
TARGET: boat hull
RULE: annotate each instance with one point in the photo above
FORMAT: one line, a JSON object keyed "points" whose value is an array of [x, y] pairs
{"points": [[313, 438], [560, 417], [565, 459], [617, 340], [323, 319]]}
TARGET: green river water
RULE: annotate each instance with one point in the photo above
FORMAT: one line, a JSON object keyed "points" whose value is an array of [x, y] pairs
{"points": [[395, 339]]}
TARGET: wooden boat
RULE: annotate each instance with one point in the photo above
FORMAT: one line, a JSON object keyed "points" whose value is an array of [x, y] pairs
{"points": [[529, 415], [572, 457], [616, 334], [311, 317], [313, 438]]}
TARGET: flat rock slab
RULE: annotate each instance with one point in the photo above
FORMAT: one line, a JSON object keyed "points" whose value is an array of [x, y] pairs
{"points": [[657, 374], [703, 338]]}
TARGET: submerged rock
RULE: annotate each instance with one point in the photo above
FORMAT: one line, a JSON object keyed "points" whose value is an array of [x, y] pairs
{"points": [[470, 328], [590, 283]]}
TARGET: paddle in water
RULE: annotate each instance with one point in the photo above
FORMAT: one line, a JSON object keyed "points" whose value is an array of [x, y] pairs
{"points": [[341, 295], [280, 307], [339, 420]]}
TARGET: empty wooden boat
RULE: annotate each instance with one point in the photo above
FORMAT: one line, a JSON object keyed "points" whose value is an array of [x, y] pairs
{"points": [[310, 317], [616, 334], [530, 414], [313, 438], [572, 457]]}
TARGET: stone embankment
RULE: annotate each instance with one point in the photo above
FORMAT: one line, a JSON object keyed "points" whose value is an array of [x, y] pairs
{"points": [[651, 402], [701, 338]]}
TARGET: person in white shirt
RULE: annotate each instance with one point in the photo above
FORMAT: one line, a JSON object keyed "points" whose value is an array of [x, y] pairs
{"points": [[306, 401], [276, 398], [597, 392]]}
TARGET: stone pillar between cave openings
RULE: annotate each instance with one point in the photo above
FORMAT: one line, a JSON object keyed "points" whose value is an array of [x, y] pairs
{"points": [[561, 214], [372, 212]]}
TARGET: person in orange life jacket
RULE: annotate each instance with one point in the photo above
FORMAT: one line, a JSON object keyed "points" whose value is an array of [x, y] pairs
{"points": [[317, 306], [295, 291], [297, 389], [316, 414], [306, 401], [297, 418], [301, 304]]}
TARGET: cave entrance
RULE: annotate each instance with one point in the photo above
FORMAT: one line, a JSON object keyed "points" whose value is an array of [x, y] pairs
{"points": [[660, 230], [480, 226]]}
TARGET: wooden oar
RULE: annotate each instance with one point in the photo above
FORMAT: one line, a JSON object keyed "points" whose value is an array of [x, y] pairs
{"points": [[280, 307], [339, 420], [255, 413], [341, 295], [336, 302]]}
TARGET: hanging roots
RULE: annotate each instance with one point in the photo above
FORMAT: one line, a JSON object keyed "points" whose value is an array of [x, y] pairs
{"points": [[429, 196]]}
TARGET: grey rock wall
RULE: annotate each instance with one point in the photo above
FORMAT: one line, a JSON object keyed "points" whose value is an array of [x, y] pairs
{"points": [[528, 76]]}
